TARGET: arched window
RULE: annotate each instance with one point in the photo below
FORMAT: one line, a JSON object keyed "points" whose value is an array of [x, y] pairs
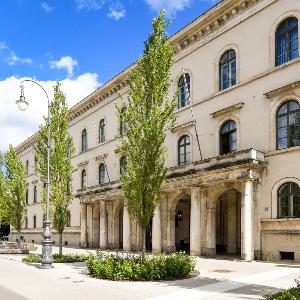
{"points": [[123, 124], [184, 150], [34, 221], [123, 165], [83, 179], [287, 44], [227, 69], [288, 125], [228, 137], [289, 200], [102, 174], [102, 131], [84, 142], [35, 195], [182, 84]]}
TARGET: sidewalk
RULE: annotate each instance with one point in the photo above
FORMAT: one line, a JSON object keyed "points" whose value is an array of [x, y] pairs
{"points": [[218, 279]]}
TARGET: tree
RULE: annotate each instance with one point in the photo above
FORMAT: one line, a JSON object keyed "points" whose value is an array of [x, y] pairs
{"points": [[14, 200], [149, 114], [4, 204], [61, 169]]}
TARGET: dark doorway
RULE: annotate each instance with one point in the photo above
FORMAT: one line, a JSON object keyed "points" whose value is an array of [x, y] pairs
{"points": [[228, 223], [182, 224], [149, 236]]}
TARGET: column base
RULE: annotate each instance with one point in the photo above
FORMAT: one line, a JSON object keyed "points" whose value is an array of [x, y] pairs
{"points": [[195, 253], [210, 252], [247, 257], [156, 251]]}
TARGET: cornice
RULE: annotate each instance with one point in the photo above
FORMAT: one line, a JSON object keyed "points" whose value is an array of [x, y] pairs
{"points": [[282, 90], [227, 110]]}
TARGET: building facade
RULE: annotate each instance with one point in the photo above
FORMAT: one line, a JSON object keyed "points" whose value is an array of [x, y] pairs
{"points": [[237, 191]]}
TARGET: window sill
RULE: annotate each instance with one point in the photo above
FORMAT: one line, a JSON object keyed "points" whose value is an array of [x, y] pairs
{"points": [[281, 220], [282, 151]]}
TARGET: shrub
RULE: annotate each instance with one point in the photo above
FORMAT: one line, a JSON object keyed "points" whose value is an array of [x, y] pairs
{"points": [[290, 294], [68, 258], [123, 266]]}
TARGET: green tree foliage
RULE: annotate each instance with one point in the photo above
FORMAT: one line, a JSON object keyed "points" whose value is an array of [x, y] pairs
{"points": [[61, 169], [14, 190], [4, 203], [149, 114]]}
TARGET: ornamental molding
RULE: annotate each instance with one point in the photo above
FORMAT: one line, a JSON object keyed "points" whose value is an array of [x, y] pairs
{"points": [[282, 90], [230, 109], [182, 126], [82, 164], [101, 157]]}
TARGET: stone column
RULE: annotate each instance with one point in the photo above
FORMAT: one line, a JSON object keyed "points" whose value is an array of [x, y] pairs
{"points": [[96, 226], [247, 251], [195, 230], [90, 226], [232, 225], [211, 232], [103, 225], [83, 227], [156, 231], [126, 230]]}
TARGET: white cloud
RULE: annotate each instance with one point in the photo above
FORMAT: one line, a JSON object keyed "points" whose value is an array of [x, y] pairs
{"points": [[3, 46], [117, 12], [46, 7], [170, 6], [17, 126], [89, 4], [13, 59], [65, 62]]}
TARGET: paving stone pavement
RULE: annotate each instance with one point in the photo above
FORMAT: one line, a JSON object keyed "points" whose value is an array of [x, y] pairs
{"points": [[219, 278]]}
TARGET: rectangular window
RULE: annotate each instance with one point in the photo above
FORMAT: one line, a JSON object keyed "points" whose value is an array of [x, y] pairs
{"points": [[287, 255]]}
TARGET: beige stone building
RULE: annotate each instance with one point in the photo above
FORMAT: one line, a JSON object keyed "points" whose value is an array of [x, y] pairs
{"points": [[241, 193]]}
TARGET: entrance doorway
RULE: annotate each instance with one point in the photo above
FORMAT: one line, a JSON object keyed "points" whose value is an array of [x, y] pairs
{"points": [[228, 223], [182, 224], [121, 228]]}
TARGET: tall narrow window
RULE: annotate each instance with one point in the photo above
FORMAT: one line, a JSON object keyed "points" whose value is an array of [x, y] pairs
{"points": [[35, 195], [34, 221], [287, 44], [288, 125], [27, 167], [83, 179], [102, 131], [27, 196], [102, 174], [184, 150], [69, 219], [227, 70], [182, 84], [123, 165], [228, 137], [289, 200], [26, 223], [84, 141], [35, 163], [123, 124]]}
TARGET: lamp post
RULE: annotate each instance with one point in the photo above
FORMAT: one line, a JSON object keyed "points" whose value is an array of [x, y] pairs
{"points": [[47, 243]]}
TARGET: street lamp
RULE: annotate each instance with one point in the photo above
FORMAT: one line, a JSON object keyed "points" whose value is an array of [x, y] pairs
{"points": [[47, 243]]}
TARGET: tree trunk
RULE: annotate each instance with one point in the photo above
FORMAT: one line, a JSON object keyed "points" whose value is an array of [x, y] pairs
{"points": [[143, 243], [60, 243]]}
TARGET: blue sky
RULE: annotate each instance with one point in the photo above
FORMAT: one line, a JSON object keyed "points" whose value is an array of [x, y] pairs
{"points": [[83, 43]]}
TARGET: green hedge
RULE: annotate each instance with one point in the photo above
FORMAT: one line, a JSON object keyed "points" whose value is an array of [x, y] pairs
{"points": [[68, 258], [290, 294], [122, 266]]}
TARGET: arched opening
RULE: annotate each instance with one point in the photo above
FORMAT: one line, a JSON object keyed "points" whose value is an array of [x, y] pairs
{"points": [[182, 224], [228, 223]]}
